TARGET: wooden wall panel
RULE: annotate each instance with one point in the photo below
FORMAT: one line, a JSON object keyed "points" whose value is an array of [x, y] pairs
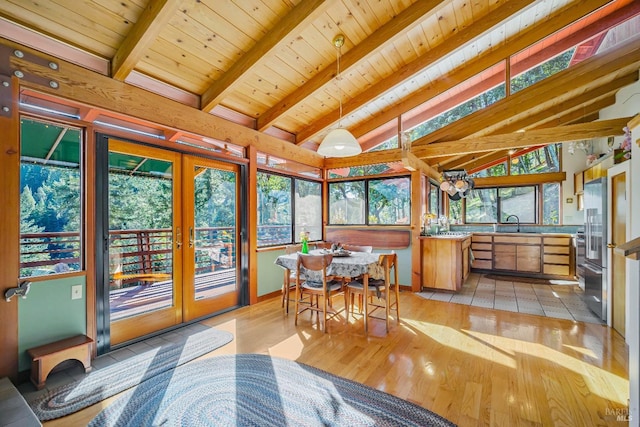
{"points": [[376, 237]]}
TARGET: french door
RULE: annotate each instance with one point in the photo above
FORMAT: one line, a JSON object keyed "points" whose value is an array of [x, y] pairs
{"points": [[211, 221], [170, 227]]}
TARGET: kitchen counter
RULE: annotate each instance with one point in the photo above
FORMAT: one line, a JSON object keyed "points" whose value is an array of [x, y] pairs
{"points": [[445, 260], [523, 234], [457, 236]]}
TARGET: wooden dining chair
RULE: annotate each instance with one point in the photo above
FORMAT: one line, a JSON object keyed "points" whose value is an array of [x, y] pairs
{"points": [[358, 248], [312, 280], [378, 290], [289, 283]]}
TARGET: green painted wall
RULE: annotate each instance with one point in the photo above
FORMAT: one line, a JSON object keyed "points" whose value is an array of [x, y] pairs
{"points": [[49, 314], [270, 275]]}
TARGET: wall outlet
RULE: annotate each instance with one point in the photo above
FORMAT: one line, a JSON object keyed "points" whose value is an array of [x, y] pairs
{"points": [[76, 292]]}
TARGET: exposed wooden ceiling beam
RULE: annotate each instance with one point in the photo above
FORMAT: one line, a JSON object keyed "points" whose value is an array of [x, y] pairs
{"points": [[300, 16], [603, 128], [89, 88], [579, 102], [528, 179], [538, 32], [411, 162], [615, 63], [476, 160], [565, 113], [462, 37], [154, 18], [408, 18], [370, 158]]}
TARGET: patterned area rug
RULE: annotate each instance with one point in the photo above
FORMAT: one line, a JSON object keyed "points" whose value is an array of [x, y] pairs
{"points": [[102, 383], [254, 389]]}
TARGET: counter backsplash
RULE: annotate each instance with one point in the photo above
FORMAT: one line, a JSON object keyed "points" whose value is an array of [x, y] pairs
{"points": [[504, 228]]}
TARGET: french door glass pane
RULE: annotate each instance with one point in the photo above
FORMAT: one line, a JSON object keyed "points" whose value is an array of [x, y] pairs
{"points": [[140, 235], [214, 236]]}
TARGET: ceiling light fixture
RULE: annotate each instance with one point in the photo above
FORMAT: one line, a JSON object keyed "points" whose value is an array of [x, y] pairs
{"points": [[339, 142]]}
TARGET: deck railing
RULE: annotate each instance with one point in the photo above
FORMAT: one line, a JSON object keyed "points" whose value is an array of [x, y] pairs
{"points": [[134, 254]]}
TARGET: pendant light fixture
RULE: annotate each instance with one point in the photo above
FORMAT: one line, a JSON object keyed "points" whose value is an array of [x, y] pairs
{"points": [[339, 142]]}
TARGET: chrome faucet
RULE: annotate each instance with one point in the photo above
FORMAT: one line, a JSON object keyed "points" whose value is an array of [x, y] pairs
{"points": [[517, 219]]}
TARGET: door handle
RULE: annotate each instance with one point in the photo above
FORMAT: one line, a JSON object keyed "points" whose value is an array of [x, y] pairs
{"points": [[191, 237], [611, 245], [178, 238]]}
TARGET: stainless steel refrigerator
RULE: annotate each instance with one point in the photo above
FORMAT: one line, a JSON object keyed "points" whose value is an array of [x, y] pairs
{"points": [[595, 258]]}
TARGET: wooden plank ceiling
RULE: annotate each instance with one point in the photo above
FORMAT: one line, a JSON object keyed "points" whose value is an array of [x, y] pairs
{"points": [[271, 65]]}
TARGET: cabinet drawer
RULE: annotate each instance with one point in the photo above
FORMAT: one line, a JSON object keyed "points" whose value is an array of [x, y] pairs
{"points": [[481, 238], [480, 263], [556, 259], [481, 246], [562, 241], [560, 270], [517, 239], [556, 249], [482, 254]]}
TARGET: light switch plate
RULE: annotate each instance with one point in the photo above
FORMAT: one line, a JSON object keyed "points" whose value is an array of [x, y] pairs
{"points": [[76, 292]]}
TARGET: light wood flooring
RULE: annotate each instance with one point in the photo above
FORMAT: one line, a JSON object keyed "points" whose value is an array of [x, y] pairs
{"points": [[472, 365]]}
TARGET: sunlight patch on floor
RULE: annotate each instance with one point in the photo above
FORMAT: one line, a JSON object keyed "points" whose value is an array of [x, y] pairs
{"points": [[600, 382], [453, 338], [290, 348]]}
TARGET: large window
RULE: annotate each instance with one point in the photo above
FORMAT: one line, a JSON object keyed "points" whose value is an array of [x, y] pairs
{"points": [[496, 205], [286, 207], [541, 160], [519, 201], [347, 202], [50, 198], [481, 206], [376, 201]]}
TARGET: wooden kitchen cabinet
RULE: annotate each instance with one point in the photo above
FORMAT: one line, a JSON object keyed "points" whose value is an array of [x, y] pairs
{"points": [[578, 182], [516, 253], [558, 257], [541, 255], [445, 262], [482, 250]]}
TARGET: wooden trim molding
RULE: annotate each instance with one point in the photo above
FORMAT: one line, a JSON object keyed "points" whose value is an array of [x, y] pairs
{"points": [[634, 122], [10, 236]]}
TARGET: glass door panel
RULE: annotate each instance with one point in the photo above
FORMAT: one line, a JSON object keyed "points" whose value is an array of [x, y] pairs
{"points": [[211, 218], [144, 238]]}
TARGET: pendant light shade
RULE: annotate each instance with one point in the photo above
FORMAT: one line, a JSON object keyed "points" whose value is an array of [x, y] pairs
{"points": [[339, 142]]}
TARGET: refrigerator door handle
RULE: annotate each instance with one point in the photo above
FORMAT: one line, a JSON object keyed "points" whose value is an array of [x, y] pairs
{"points": [[592, 269]]}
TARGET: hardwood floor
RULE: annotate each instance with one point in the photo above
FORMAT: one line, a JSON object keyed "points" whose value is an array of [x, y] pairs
{"points": [[472, 365]]}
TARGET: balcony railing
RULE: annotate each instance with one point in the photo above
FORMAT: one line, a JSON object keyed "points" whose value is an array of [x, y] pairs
{"points": [[135, 256]]}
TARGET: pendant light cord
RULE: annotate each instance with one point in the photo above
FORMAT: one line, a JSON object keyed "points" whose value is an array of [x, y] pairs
{"points": [[339, 54]]}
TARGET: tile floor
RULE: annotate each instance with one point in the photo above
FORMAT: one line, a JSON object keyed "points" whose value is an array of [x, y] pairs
{"points": [[562, 300]]}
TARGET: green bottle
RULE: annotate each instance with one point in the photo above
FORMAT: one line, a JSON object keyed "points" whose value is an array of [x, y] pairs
{"points": [[305, 247]]}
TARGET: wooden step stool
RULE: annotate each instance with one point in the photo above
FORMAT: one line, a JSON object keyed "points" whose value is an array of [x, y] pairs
{"points": [[48, 356]]}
